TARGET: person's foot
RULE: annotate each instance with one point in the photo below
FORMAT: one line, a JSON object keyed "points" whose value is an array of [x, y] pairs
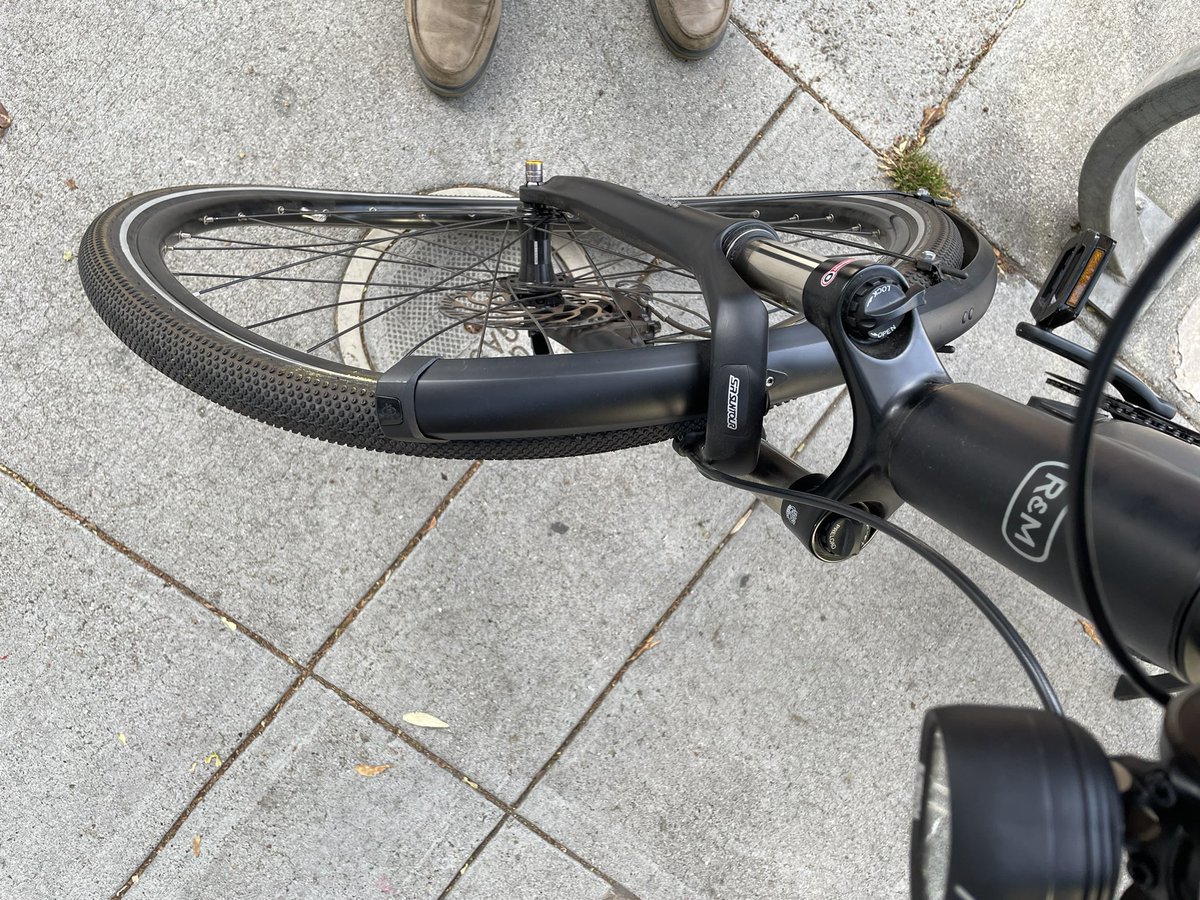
{"points": [[691, 29], [452, 41]]}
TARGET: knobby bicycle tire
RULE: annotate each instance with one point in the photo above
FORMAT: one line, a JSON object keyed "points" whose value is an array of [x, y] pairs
{"points": [[121, 267]]}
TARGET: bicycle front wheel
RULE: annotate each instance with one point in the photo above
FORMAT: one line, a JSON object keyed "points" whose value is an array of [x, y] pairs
{"points": [[286, 305]]}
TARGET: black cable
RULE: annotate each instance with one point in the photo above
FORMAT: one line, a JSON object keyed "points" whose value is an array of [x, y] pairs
{"points": [[1025, 656], [1079, 538]]}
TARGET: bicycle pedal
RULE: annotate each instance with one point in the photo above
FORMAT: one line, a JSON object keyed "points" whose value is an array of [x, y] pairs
{"points": [[1066, 289]]}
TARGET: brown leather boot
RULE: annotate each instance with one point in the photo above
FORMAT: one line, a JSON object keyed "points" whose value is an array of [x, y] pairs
{"points": [[691, 29], [452, 41]]}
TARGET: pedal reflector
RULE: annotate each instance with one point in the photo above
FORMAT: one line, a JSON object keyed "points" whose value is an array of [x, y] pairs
{"points": [[1080, 262]]}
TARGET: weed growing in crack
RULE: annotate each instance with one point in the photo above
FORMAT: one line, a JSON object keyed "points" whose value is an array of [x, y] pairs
{"points": [[910, 168]]}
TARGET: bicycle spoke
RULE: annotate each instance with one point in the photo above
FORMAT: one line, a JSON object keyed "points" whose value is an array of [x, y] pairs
{"points": [[384, 312], [247, 246], [280, 268], [411, 296], [533, 316], [393, 284], [491, 296], [648, 264], [308, 260], [391, 232], [872, 251], [796, 219], [410, 233], [823, 233], [687, 309], [584, 244], [648, 272], [420, 235], [432, 229]]}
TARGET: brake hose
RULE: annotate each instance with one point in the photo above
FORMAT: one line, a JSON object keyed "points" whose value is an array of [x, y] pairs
{"points": [[1025, 656]]}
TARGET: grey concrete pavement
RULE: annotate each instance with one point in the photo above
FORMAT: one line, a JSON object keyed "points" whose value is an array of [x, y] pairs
{"points": [[760, 744], [119, 695], [299, 818], [879, 64], [801, 149], [1015, 138], [521, 866], [551, 588]]}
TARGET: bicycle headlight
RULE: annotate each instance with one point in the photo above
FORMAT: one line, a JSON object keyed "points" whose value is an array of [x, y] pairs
{"points": [[1013, 803]]}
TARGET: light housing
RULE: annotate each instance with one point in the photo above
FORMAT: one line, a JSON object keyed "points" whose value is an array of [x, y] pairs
{"points": [[1013, 803]]}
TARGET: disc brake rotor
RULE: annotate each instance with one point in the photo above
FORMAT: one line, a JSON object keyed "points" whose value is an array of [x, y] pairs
{"points": [[381, 315]]}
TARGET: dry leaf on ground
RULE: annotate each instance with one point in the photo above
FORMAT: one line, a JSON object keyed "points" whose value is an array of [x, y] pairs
{"points": [[1090, 630], [367, 771], [931, 116], [424, 720], [648, 644], [737, 526], [196, 846]]}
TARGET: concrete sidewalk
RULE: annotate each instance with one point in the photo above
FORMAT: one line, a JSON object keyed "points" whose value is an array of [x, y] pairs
{"points": [[215, 629]]}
